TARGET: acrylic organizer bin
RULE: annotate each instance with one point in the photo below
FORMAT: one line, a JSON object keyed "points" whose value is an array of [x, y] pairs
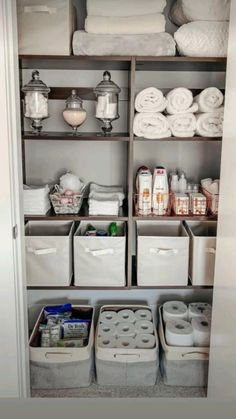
{"points": [[144, 209]]}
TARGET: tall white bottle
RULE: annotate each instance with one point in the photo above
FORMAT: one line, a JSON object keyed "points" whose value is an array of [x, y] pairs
{"points": [[182, 184], [174, 184], [160, 195]]}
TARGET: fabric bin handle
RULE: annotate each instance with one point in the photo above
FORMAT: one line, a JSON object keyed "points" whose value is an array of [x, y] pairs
{"points": [[127, 357], [40, 9], [100, 252], [201, 355], [164, 252], [211, 250], [58, 356], [38, 252]]}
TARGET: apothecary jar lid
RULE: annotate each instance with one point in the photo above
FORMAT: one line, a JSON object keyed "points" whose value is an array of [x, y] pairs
{"points": [[74, 101], [36, 85], [106, 85]]}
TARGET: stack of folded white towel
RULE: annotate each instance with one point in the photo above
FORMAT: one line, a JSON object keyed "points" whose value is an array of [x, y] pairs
{"points": [[178, 114], [105, 200], [204, 27], [36, 200]]}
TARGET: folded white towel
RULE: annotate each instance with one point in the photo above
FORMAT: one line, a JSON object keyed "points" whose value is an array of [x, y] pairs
{"points": [[95, 187], [151, 126], [108, 195], [209, 99], [154, 23], [182, 125], [104, 207], [124, 7], [210, 124], [150, 100], [180, 100], [203, 39], [185, 11]]}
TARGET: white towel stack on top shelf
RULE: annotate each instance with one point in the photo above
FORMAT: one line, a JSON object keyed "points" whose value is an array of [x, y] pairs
{"points": [[36, 200], [105, 200]]}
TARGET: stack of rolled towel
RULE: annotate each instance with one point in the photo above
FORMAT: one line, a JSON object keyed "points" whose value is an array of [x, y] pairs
{"points": [[178, 114], [36, 200], [204, 27], [105, 200]]}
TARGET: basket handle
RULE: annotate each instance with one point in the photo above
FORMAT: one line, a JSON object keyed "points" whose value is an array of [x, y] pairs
{"points": [[40, 9], [202, 355], [163, 252], [39, 252], [127, 357], [100, 252], [58, 356]]}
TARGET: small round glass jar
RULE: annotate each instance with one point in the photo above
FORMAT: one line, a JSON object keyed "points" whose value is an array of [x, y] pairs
{"points": [[107, 93], [74, 114], [36, 102]]}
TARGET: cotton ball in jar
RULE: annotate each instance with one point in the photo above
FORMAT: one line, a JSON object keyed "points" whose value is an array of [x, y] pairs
{"points": [[70, 182]]}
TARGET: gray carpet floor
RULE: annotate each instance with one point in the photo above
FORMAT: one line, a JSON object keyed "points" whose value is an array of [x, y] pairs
{"points": [[94, 391]]}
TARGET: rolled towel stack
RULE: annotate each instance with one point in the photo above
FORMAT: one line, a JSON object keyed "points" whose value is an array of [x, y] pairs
{"points": [[36, 200], [211, 112], [105, 200]]}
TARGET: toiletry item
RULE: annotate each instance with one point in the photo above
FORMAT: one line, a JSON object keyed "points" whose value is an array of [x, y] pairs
{"points": [[174, 310], [126, 329], [145, 341], [90, 231], [55, 334], [71, 343], [198, 204], [71, 182], [181, 204], [107, 329], [160, 194], [113, 230], [182, 184], [144, 189], [144, 326], [179, 333], [174, 184], [125, 342], [109, 317], [201, 331], [195, 188], [126, 315], [74, 114], [75, 328], [198, 310], [101, 233], [143, 314], [45, 338], [107, 342]]}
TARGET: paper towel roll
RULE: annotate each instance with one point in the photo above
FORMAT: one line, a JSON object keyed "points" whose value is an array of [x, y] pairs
{"points": [[174, 310], [198, 310], [144, 326], [126, 316], [107, 329], [125, 342], [201, 331], [143, 314], [109, 317], [179, 333], [145, 341], [107, 342], [126, 329]]}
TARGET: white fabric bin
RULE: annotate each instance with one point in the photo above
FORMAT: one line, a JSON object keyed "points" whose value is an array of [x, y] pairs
{"points": [[162, 253], [48, 246], [99, 261], [182, 366], [126, 367], [55, 368], [202, 251], [45, 27]]}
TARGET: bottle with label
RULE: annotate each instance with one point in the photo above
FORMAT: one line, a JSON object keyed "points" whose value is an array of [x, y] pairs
{"points": [[160, 191], [144, 190], [174, 185]]}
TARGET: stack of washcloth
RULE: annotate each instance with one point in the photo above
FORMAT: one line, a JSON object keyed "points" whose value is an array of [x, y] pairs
{"points": [[36, 200], [105, 200], [204, 27], [178, 114], [124, 27]]}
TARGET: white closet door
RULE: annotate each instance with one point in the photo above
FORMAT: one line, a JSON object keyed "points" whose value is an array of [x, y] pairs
{"points": [[222, 377]]}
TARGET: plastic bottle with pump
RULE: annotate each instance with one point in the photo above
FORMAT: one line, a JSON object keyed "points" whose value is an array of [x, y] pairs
{"points": [[174, 184], [182, 183]]}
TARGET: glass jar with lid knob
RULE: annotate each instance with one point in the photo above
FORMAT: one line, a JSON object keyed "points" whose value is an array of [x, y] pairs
{"points": [[107, 93], [74, 114], [36, 101]]}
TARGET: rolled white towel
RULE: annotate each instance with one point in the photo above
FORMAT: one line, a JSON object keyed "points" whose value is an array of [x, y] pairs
{"points": [[185, 11], [124, 7], [182, 125], [131, 25], [150, 100], [209, 99], [180, 100], [203, 39], [210, 124], [151, 126]]}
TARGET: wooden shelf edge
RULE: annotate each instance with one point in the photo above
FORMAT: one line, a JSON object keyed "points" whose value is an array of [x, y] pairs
{"points": [[134, 287], [184, 139], [68, 136]]}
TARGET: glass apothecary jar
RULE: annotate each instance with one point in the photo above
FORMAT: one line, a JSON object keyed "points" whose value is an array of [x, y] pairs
{"points": [[107, 105], [74, 114], [36, 102]]}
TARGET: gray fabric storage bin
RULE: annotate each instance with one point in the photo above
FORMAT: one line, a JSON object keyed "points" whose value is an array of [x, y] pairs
{"points": [[162, 253], [58, 368], [182, 366]]}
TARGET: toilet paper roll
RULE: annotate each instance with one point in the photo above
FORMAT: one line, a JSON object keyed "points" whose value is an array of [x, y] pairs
{"points": [[143, 314], [198, 310], [201, 331], [125, 342], [179, 333], [126, 316], [126, 329], [174, 310], [109, 317], [145, 341], [107, 329], [107, 342], [144, 326]]}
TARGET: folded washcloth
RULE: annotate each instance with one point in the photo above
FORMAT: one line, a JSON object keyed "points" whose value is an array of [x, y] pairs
{"points": [[95, 187], [203, 39], [180, 100], [182, 125], [154, 23], [159, 44], [104, 207], [210, 124], [108, 195], [124, 7], [150, 100], [209, 99], [151, 126], [185, 11]]}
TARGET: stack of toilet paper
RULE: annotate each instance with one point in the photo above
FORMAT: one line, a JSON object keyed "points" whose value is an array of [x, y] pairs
{"points": [[187, 325], [126, 329]]}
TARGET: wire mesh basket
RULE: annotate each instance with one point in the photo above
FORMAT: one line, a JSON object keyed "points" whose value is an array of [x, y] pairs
{"points": [[64, 203], [148, 206]]}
